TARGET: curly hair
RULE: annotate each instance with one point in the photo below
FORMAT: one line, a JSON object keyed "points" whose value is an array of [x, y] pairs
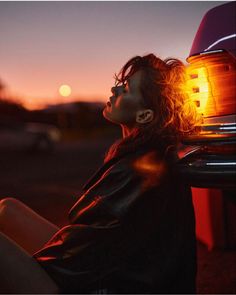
{"points": [[163, 88]]}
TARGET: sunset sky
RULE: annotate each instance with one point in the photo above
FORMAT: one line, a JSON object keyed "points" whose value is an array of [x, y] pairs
{"points": [[44, 45]]}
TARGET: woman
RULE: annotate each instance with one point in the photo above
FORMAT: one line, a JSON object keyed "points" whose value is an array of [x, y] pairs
{"points": [[132, 230]]}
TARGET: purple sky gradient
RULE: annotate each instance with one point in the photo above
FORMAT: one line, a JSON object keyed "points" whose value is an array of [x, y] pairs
{"points": [[46, 44]]}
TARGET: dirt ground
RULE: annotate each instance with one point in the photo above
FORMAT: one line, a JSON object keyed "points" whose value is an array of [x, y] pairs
{"points": [[51, 182]]}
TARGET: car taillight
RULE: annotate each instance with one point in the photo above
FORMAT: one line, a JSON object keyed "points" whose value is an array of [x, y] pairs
{"points": [[212, 83]]}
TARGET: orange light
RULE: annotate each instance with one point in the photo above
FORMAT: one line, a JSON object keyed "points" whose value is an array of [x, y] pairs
{"points": [[199, 88], [212, 83]]}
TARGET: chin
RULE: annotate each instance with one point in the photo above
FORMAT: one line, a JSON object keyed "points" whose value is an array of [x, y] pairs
{"points": [[105, 114], [108, 116]]}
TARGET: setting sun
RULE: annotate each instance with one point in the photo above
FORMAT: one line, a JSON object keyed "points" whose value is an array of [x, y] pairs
{"points": [[65, 90]]}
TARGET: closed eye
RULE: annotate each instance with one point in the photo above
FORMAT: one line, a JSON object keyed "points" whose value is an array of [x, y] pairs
{"points": [[125, 87]]}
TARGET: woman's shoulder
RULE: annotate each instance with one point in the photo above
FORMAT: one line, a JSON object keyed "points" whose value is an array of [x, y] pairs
{"points": [[123, 183], [133, 163], [144, 169], [148, 161], [139, 165]]}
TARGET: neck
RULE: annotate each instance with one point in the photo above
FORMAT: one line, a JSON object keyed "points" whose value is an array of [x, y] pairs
{"points": [[126, 131]]}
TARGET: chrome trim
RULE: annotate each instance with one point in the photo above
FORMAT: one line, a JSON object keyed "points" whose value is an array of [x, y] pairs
{"points": [[210, 138], [210, 52], [185, 151], [219, 128], [208, 168], [222, 164], [220, 40], [227, 119], [204, 53], [200, 172], [202, 164]]}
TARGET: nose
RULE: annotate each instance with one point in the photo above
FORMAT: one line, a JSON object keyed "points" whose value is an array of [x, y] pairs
{"points": [[113, 96], [113, 90]]}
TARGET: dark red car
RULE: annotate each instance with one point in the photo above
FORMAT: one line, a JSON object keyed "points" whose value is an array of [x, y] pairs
{"points": [[208, 157]]}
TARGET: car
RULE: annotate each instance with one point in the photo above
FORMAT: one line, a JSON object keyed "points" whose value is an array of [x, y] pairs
{"points": [[28, 136], [207, 157]]}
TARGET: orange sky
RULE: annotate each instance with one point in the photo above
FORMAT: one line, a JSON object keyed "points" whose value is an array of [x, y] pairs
{"points": [[82, 44]]}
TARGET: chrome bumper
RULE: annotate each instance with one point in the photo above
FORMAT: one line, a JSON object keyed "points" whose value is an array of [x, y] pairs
{"points": [[208, 159]]}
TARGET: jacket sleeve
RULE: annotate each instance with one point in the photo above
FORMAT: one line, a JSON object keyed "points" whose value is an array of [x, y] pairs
{"points": [[106, 226]]}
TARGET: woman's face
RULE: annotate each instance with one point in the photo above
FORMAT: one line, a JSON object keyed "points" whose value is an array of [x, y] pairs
{"points": [[125, 102]]}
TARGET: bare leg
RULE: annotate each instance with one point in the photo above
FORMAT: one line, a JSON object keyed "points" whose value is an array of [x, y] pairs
{"points": [[20, 273], [24, 226]]}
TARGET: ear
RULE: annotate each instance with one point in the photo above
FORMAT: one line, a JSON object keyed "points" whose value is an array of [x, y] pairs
{"points": [[144, 116]]}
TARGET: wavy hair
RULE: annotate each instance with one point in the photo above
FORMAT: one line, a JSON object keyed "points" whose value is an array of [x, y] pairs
{"points": [[163, 88]]}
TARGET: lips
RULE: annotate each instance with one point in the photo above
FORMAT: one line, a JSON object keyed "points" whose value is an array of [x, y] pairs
{"points": [[109, 104]]}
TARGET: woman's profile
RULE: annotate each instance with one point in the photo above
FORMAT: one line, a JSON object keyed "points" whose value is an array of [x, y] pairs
{"points": [[132, 229]]}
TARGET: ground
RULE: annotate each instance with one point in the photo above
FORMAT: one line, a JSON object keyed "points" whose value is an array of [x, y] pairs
{"points": [[53, 180]]}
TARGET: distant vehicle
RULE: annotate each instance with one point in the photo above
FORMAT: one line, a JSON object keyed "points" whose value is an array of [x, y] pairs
{"points": [[28, 136]]}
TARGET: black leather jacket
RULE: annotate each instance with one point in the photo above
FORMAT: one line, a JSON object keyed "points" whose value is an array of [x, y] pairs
{"points": [[131, 231]]}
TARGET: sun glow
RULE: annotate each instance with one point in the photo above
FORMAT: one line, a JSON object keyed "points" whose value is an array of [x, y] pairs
{"points": [[65, 90]]}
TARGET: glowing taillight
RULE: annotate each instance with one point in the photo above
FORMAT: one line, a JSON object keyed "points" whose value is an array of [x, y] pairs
{"points": [[212, 83]]}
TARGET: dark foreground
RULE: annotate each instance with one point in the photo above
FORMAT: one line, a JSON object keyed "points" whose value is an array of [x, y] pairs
{"points": [[50, 182]]}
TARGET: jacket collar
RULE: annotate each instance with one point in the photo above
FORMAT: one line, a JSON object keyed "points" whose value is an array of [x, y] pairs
{"points": [[99, 172]]}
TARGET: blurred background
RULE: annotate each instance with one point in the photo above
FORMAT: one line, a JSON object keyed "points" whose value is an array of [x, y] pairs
{"points": [[57, 64]]}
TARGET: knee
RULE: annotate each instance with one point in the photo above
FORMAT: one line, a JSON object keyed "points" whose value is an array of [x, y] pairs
{"points": [[8, 205]]}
